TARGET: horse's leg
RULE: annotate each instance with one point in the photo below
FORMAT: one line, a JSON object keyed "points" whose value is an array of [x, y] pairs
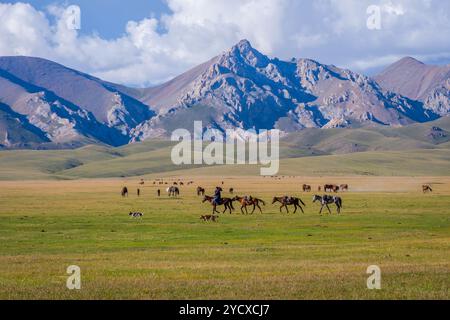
{"points": [[328, 209], [246, 210], [259, 207], [281, 208], [242, 209], [254, 208], [301, 209], [321, 209], [295, 206]]}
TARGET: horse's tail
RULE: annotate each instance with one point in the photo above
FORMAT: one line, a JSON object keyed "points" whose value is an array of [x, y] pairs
{"points": [[262, 201]]}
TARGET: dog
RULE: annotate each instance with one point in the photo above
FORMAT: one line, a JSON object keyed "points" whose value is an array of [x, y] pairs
{"points": [[209, 218], [136, 214]]}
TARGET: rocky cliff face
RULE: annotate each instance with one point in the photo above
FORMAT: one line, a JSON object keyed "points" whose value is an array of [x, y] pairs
{"points": [[248, 90]]}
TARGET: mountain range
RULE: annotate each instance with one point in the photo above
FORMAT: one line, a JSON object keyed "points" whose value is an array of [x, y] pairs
{"points": [[46, 105]]}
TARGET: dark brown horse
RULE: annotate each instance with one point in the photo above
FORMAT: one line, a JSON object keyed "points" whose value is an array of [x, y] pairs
{"points": [[124, 192], [201, 191], [331, 188], [307, 188], [344, 187], [289, 201], [226, 202], [249, 201], [426, 188]]}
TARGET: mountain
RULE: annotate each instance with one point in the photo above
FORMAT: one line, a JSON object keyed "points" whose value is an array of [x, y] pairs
{"points": [[46, 105], [242, 88], [65, 106], [418, 81]]}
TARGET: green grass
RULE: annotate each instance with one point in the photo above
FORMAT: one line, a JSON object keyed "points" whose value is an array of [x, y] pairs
{"points": [[171, 254]]}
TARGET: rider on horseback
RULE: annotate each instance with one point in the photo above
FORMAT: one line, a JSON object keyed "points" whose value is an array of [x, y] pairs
{"points": [[218, 196]]}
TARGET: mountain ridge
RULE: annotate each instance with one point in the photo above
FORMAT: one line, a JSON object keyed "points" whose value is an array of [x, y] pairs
{"points": [[45, 104]]}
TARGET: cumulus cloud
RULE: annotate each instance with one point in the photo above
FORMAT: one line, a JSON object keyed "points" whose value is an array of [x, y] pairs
{"points": [[154, 50]]}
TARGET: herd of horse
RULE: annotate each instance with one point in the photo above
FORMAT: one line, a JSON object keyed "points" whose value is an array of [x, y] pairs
{"points": [[256, 203], [284, 201]]}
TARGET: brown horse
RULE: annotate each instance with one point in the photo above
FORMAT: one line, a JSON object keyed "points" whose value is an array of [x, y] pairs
{"points": [[201, 191], [344, 187], [124, 192], [307, 188], [249, 201], [289, 201], [226, 202], [331, 188], [426, 188]]}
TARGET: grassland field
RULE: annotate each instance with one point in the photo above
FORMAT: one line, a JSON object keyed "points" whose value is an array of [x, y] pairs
{"points": [[45, 226]]}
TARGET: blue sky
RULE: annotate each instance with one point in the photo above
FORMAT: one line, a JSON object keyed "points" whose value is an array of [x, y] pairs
{"points": [[107, 17], [146, 42]]}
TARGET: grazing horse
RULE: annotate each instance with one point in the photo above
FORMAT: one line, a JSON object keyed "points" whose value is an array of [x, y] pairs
{"points": [[307, 188], [344, 187], [173, 191], [201, 191], [226, 202], [426, 188], [289, 201], [124, 192], [331, 188], [249, 201], [326, 200]]}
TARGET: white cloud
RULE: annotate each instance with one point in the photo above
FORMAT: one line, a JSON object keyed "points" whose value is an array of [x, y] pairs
{"points": [[331, 31]]}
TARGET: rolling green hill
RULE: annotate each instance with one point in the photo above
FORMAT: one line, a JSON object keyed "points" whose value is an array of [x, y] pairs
{"points": [[414, 150]]}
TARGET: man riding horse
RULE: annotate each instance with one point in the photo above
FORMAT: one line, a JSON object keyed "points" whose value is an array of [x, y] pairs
{"points": [[218, 196]]}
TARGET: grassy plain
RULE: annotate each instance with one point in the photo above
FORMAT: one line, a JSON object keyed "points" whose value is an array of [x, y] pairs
{"points": [[45, 226]]}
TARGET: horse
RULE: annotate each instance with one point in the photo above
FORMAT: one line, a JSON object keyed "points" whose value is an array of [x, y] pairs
{"points": [[173, 191], [124, 192], [201, 191], [331, 188], [226, 202], [426, 188], [248, 201], [326, 200], [231, 190], [344, 187], [307, 188], [289, 201]]}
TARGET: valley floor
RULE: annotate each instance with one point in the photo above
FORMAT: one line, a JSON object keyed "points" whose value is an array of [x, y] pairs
{"points": [[46, 226]]}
